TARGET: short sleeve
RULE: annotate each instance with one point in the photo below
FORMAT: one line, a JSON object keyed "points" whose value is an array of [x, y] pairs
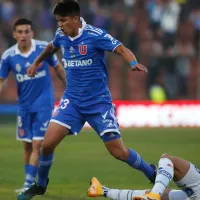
{"points": [[106, 42], [4, 66], [53, 60], [55, 41]]}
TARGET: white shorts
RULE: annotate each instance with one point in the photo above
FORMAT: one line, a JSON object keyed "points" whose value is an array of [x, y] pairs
{"points": [[190, 184]]}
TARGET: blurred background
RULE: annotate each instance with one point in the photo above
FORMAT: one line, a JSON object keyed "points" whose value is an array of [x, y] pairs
{"points": [[165, 37], [163, 34]]}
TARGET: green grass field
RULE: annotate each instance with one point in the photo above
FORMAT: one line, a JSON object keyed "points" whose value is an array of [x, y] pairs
{"points": [[79, 158]]}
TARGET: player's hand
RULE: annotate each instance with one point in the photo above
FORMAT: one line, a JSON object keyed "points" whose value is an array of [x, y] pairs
{"points": [[32, 70], [139, 67]]}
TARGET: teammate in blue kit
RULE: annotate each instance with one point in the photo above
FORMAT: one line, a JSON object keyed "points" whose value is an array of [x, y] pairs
{"points": [[87, 97], [35, 95]]}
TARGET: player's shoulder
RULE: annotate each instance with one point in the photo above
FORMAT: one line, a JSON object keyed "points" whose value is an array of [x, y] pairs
{"points": [[59, 33], [41, 44], [94, 31], [9, 52]]}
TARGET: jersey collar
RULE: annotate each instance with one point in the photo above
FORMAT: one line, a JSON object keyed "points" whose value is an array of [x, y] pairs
{"points": [[33, 48], [80, 31]]}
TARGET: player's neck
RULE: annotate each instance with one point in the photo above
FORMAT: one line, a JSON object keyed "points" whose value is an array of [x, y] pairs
{"points": [[25, 49], [76, 32]]}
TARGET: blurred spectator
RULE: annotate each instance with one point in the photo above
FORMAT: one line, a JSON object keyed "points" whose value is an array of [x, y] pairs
{"points": [[164, 35], [8, 9]]}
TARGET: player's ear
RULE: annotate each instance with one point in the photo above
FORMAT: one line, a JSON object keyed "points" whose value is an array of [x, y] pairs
{"points": [[76, 19], [14, 34], [33, 33]]}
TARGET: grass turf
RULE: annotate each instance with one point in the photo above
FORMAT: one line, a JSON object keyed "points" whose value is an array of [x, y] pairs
{"points": [[78, 158]]}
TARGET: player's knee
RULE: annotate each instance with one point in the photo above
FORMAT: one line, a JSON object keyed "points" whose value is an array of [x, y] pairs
{"points": [[168, 156], [165, 155], [36, 145], [46, 149]]}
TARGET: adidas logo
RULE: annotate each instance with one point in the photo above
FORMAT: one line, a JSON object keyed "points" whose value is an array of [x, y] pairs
{"points": [[28, 64], [111, 135], [110, 124], [71, 49]]}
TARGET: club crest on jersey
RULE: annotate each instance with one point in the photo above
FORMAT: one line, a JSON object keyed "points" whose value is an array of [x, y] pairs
{"points": [[82, 49], [18, 67], [21, 132], [55, 112]]}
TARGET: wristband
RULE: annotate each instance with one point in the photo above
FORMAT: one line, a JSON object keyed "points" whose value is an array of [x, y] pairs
{"points": [[133, 63]]}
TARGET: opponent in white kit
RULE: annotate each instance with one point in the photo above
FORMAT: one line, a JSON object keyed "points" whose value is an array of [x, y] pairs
{"points": [[185, 174]]}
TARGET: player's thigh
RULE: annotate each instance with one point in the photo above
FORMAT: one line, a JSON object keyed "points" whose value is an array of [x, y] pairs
{"points": [[66, 115], [190, 183], [104, 121], [53, 136], [66, 120], [102, 118], [174, 195], [23, 129], [40, 123]]}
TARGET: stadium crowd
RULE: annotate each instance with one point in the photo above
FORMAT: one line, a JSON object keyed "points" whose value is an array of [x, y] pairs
{"points": [[163, 34]]}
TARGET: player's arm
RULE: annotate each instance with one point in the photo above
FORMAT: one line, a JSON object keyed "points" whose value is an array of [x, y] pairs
{"points": [[130, 58], [48, 51], [5, 69], [57, 66], [60, 72], [106, 42], [2, 84]]}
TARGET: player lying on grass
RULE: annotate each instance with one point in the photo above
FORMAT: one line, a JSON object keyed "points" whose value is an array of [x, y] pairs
{"points": [[185, 175]]}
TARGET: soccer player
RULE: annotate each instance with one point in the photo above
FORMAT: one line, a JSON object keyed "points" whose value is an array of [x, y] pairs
{"points": [[185, 175], [35, 95], [87, 97]]}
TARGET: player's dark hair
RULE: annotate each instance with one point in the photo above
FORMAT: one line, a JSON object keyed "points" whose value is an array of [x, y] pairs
{"points": [[22, 21], [66, 8]]}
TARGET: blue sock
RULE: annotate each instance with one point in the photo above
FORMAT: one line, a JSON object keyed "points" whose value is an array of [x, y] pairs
{"points": [[45, 163], [31, 172], [136, 161], [26, 168]]}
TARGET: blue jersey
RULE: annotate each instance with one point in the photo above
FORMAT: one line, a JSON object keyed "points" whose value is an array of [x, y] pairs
{"points": [[85, 64], [34, 93]]}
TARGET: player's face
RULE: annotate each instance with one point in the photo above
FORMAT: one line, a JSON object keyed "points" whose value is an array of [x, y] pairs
{"points": [[23, 34], [67, 25]]}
